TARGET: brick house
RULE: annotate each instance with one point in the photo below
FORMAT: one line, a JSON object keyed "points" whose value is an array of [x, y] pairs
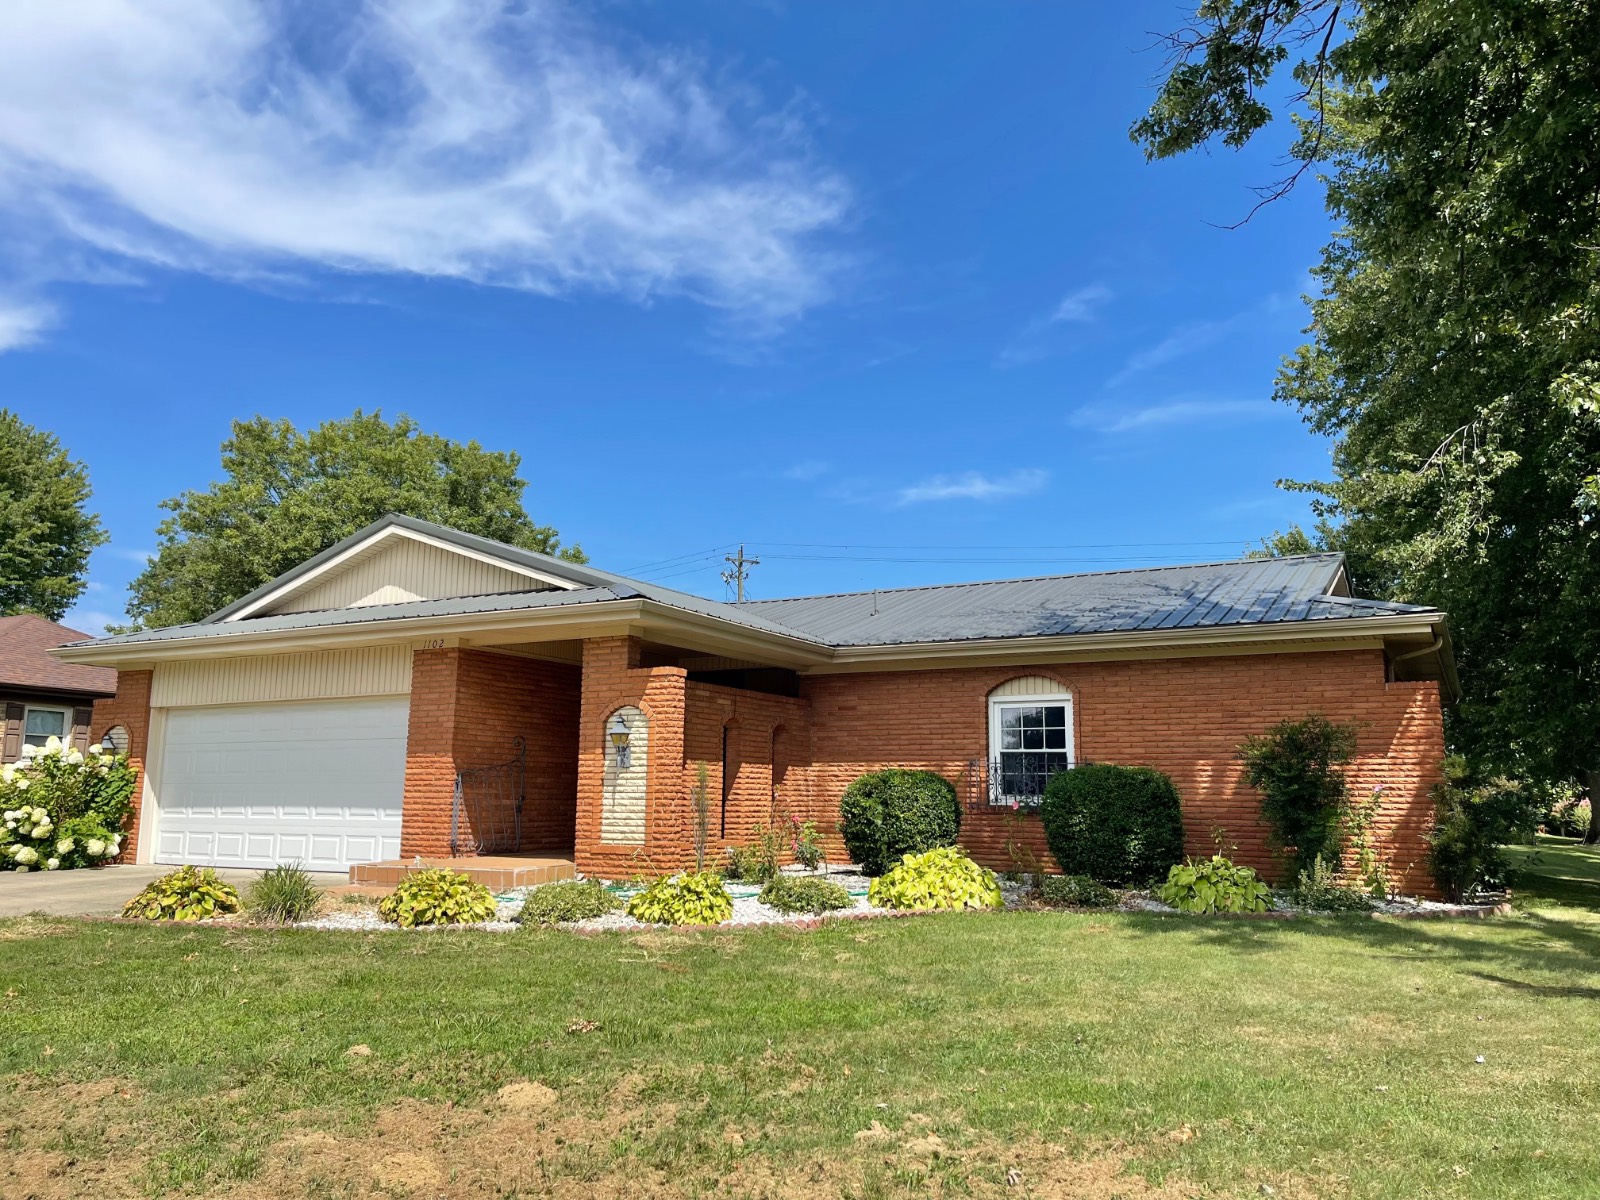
{"points": [[40, 696], [418, 691]]}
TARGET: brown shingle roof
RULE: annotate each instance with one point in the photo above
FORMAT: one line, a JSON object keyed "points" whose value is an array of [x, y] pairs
{"points": [[23, 662]]}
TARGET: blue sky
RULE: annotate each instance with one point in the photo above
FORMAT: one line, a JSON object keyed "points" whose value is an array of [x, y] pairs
{"points": [[882, 290]]}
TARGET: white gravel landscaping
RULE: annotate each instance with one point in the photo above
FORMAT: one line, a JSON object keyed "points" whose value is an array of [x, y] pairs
{"points": [[748, 909]]}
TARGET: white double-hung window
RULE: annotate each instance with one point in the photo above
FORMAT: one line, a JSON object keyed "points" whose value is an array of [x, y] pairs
{"points": [[41, 723], [1030, 739]]}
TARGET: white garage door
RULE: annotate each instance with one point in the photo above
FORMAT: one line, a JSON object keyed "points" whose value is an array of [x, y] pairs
{"points": [[254, 785]]}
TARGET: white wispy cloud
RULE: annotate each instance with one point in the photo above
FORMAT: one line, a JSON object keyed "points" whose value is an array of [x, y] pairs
{"points": [[974, 485], [804, 471], [130, 554], [502, 144], [1124, 418], [22, 323], [1034, 340]]}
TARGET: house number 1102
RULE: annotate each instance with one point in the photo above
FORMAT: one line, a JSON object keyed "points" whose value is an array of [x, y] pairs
{"points": [[433, 644]]}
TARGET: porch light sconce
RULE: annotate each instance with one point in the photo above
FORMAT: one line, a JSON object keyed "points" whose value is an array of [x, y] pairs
{"points": [[618, 732], [107, 746]]}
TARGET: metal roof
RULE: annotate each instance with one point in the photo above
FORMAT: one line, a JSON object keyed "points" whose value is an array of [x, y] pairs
{"points": [[1247, 592]]}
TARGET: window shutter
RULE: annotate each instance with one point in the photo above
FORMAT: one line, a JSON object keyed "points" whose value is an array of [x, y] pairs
{"points": [[13, 746], [81, 719]]}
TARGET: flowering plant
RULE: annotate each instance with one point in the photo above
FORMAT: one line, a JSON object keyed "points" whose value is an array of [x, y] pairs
{"points": [[61, 808]]}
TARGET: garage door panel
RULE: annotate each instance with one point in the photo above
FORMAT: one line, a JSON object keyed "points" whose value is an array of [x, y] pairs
{"points": [[318, 783]]}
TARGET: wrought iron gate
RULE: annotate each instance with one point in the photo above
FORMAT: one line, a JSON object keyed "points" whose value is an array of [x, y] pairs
{"points": [[486, 817]]}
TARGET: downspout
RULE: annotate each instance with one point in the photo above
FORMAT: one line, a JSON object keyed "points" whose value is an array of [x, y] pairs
{"points": [[1433, 648]]}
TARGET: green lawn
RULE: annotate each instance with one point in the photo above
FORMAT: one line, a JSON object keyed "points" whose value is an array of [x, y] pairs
{"points": [[1093, 1056]]}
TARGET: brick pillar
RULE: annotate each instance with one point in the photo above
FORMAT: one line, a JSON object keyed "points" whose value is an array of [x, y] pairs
{"points": [[612, 677], [130, 708], [430, 754]]}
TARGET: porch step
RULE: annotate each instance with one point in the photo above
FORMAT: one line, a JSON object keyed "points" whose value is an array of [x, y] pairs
{"points": [[497, 872]]}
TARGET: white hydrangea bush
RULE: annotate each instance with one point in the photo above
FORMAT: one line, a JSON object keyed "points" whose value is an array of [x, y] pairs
{"points": [[61, 808]]}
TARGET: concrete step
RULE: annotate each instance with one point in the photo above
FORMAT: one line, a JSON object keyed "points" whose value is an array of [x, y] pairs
{"points": [[497, 872]]}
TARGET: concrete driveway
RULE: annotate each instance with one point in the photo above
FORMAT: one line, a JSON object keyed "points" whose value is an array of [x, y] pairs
{"points": [[98, 891]]}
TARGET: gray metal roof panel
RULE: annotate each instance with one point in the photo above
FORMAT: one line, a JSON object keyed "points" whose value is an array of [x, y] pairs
{"points": [[1203, 595]]}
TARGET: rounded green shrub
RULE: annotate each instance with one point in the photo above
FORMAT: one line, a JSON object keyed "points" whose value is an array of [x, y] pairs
{"points": [[887, 814], [1117, 825], [187, 894], [437, 896], [694, 898], [938, 879], [800, 894], [1075, 891], [569, 900]]}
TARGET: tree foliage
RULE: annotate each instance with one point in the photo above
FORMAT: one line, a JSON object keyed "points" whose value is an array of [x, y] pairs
{"points": [[288, 495], [46, 530], [1455, 343]]}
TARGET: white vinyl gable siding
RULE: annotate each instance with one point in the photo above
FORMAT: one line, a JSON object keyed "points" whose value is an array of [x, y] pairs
{"points": [[403, 569], [316, 675]]}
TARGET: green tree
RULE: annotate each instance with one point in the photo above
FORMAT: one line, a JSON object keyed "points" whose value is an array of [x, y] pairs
{"points": [[46, 532], [1455, 343], [288, 495]]}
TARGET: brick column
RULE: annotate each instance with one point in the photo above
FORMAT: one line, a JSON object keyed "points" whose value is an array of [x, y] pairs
{"points": [[430, 754], [130, 708], [612, 677]]}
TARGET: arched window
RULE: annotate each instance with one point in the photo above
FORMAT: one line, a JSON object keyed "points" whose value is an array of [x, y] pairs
{"points": [[1030, 738]]}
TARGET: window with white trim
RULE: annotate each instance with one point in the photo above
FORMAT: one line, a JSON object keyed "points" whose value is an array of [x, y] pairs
{"points": [[39, 724], [1030, 739]]}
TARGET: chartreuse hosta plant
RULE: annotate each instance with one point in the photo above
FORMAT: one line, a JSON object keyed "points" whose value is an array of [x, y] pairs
{"points": [[1212, 885], [62, 808], [187, 894], [438, 896], [937, 879], [693, 898]]}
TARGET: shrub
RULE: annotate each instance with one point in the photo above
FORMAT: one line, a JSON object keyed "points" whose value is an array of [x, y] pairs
{"points": [[757, 862], [885, 815], [1319, 889], [437, 896], [1295, 766], [569, 900], [1569, 819], [944, 878], [805, 843], [1472, 821], [694, 898], [1075, 891], [1214, 884], [1117, 825], [187, 894], [63, 808], [283, 894], [796, 893]]}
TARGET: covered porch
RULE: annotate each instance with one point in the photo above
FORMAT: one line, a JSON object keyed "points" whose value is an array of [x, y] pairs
{"points": [[529, 761]]}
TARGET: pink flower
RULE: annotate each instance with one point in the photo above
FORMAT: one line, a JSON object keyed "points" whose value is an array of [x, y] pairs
{"points": [[1016, 804]]}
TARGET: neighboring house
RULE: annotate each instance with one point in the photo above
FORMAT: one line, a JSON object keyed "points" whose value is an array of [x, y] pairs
{"points": [[342, 712], [43, 697]]}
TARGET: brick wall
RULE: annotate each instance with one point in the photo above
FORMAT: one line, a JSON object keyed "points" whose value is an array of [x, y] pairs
{"points": [[743, 796], [612, 678], [130, 708], [1183, 716], [467, 708]]}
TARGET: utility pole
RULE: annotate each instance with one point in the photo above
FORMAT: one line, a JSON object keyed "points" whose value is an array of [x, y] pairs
{"points": [[738, 570]]}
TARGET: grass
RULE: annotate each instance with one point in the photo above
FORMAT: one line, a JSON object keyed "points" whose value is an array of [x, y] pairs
{"points": [[1093, 1055]]}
